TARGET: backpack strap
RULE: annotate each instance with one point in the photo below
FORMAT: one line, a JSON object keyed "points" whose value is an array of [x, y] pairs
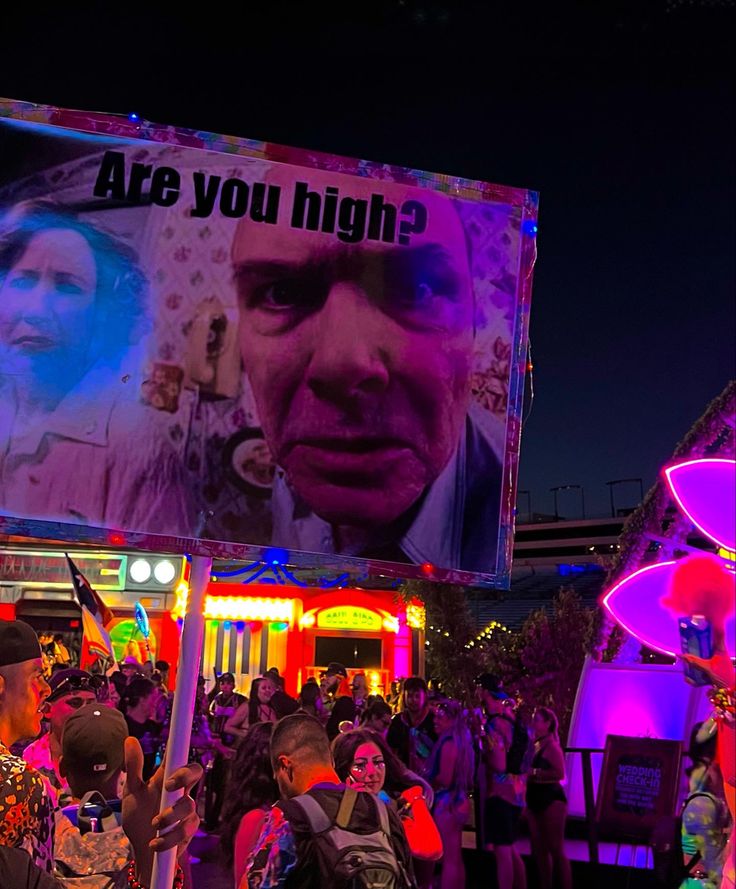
{"points": [[313, 812], [106, 818], [382, 815], [347, 804]]}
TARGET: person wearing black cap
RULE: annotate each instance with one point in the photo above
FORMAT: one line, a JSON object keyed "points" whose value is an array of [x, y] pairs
{"points": [[70, 690], [337, 700], [89, 836], [330, 681], [26, 809], [26, 815]]}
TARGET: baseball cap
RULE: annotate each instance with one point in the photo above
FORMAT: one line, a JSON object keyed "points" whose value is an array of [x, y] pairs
{"points": [[93, 740], [490, 683], [65, 682], [227, 677], [334, 668], [18, 642]]}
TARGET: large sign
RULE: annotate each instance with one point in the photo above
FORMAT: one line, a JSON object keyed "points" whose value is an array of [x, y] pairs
{"points": [[349, 617], [212, 338], [639, 785], [50, 570]]}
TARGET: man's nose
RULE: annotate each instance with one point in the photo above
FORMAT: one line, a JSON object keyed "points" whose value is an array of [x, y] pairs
{"points": [[350, 354], [45, 688]]}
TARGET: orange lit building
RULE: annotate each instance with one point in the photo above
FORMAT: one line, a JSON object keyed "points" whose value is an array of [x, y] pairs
{"points": [[299, 630], [249, 626]]}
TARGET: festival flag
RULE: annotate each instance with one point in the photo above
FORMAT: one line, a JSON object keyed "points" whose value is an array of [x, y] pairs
{"points": [[86, 596], [96, 641]]}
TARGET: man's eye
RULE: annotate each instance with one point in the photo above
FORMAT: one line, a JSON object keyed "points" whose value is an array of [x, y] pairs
{"points": [[280, 294], [288, 294], [422, 294]]}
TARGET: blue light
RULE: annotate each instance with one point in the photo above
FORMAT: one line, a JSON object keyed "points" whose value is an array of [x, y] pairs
{"points": [[276, 556], [240, 626], [226, 625], [530, 228], [566, 570], [133, 116]]}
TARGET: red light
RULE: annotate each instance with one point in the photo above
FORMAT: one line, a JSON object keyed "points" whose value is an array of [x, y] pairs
{"points": [[74, 624], [427, 568], [116, 538]]}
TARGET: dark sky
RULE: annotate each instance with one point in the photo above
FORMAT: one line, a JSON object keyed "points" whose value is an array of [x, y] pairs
{"points": [[621, 116]]}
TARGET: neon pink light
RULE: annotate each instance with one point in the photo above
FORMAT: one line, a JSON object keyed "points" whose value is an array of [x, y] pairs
{"points": [[635, 603], [402, 649], [705, 491]]}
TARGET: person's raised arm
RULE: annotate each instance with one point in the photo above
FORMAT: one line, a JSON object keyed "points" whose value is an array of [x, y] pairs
{"points": [[176, 825]]}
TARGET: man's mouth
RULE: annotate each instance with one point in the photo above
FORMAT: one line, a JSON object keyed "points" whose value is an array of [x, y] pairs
{"points": [[354, 444], [33, 342], [344, 459]]}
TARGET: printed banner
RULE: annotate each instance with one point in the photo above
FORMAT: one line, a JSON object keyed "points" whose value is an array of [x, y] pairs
{"points": [[244, 344]]}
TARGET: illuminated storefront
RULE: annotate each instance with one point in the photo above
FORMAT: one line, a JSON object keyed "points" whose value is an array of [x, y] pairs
{"points": [[249, 626], [300, 630]]}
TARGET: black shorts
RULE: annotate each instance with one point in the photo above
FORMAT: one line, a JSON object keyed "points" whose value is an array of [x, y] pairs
{"points": [[500, 822]]}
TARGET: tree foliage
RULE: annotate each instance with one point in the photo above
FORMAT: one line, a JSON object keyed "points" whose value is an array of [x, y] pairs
{"points": [[541, 663]]}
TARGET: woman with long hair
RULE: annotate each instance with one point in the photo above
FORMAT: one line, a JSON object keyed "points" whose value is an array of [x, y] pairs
{"points": [[364, 760], [255, 709], [251, 791], [546, 802], [450, 771]]}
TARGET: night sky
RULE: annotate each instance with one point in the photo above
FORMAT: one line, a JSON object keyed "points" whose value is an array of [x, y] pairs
{"points": [[622, 117]]}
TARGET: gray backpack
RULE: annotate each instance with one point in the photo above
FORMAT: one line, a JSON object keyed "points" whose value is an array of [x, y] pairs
{"points": [[355, 850]]}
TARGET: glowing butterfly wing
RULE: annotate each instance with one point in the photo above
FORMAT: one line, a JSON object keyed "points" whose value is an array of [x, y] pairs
{"points": [[635, 603], [705, 491]]}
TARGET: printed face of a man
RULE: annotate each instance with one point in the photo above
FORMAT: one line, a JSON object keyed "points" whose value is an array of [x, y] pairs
{"points": [[359, 355]]}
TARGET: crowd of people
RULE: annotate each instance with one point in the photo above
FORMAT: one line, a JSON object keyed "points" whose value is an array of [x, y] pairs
{"points": [[75, 807], [400, 772], [327, 786], [425, 756]]}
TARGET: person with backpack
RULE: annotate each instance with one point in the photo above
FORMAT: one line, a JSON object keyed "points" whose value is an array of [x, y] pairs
{"points": [[323, 834], [91, 848], [504, 754], [364, 760]]}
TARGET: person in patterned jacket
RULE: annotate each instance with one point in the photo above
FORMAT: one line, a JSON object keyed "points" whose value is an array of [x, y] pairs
{"points": [[26, 807], [27, 815]]}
